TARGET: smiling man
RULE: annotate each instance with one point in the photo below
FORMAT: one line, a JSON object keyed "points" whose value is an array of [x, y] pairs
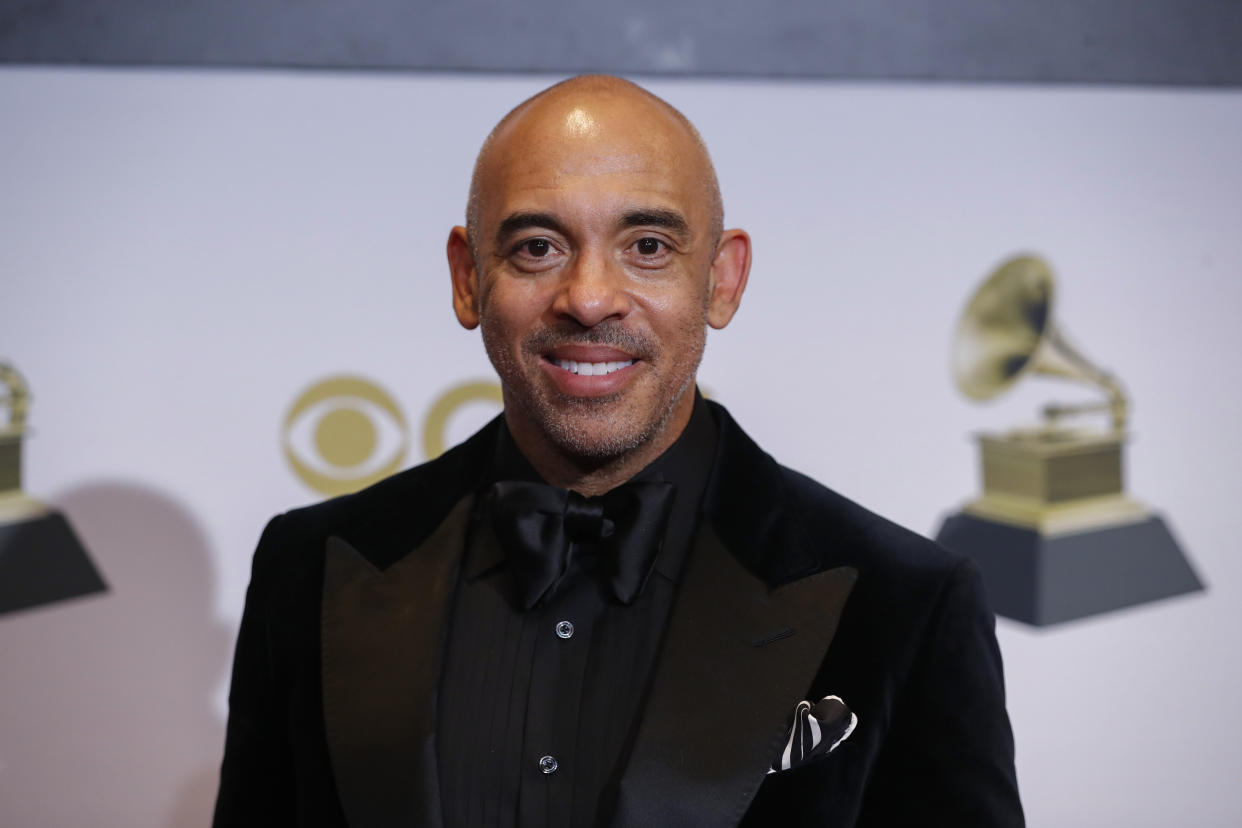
{"points": [[609, 606], [593, 261]]}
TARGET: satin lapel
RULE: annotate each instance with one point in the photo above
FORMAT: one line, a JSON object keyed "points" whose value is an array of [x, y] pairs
{"points": [[382, 642], [737, 659]]}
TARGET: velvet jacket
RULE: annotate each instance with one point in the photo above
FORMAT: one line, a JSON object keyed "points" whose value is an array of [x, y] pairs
{"points": [[791, 592]]}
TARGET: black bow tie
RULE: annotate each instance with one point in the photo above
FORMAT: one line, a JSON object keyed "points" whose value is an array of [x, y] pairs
{"points": [[544, 530]]}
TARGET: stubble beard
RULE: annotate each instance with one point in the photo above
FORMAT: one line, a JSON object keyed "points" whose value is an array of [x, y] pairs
{"points": [[592, 430]]}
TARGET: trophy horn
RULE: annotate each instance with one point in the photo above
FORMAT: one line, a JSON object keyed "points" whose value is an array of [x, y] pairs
{"points": [[1007, 331]]}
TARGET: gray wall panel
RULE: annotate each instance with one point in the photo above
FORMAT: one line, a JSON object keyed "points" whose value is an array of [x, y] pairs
{"points": [[1188, 42]]}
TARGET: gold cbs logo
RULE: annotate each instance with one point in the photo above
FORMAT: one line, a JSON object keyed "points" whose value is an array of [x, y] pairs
{"points": [[344, 433]]}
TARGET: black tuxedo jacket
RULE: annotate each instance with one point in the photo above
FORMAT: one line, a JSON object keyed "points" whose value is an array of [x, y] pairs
{"points": [[791, 592]]}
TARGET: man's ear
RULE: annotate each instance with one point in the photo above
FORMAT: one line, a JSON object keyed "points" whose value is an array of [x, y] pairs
{"points": [[465, 276], [730, 270]]}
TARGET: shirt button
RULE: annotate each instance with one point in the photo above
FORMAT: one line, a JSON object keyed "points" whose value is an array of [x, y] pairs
{"points": [[548, 764], [564, 629]]}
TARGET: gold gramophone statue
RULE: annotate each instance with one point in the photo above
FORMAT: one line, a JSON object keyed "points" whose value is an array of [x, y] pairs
{"points": [[1054, 532], [41, 559]]}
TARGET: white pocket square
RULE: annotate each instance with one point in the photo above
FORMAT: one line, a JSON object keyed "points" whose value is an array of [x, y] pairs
{"points": [[817, 730]]}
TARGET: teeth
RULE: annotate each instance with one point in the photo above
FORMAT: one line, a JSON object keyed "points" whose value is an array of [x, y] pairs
{"points": [[592, 369]]}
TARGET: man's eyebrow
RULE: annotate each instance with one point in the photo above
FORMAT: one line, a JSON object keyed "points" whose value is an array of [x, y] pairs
{"points": [[521, 221], [670, 220]]}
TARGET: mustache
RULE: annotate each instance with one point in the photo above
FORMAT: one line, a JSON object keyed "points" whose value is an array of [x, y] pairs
{"points": [[607, 334]]}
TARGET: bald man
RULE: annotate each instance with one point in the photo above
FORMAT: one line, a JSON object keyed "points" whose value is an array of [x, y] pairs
{"points": [[609, 606]]}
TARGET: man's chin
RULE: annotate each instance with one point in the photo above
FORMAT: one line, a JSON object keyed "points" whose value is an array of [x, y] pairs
{"points": [[596, 429], [588, 432]]}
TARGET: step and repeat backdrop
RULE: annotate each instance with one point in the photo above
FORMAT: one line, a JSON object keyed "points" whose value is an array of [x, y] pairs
{"points": [[225, 291]]}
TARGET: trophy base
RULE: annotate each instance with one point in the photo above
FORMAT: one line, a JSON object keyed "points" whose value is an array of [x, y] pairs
{"points": [[41, 561], [1043, 579]]}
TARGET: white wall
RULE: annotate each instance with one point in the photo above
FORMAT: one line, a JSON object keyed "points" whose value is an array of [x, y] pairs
{"points": [[181, 253]]}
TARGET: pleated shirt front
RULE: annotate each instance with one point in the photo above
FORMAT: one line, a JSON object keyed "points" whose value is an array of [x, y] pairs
{"points": [[537, 710]]}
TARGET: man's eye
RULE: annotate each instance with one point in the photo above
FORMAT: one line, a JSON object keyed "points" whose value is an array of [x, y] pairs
{"points": [[648, 246], [537, 248]]}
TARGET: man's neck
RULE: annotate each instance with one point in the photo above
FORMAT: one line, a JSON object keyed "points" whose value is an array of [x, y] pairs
{"points": [[596, 476]]}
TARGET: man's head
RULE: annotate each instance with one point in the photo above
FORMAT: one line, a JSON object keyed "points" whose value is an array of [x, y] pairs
{"points": [[603, 86], [593, 261]]}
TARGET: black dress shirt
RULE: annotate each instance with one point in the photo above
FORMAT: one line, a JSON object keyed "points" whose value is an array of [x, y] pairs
{"points": [[537, 709]]}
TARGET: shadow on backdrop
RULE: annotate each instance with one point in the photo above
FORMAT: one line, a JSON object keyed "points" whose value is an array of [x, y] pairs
{"points": [[105, 702]]}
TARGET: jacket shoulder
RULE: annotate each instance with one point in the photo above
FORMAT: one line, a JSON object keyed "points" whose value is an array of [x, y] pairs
{"points": [[389, 518], [841, 532], [904, 578], [782, 525]]}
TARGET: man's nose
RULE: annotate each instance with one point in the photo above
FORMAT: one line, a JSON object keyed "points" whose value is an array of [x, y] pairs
{"points": [[592, 289]]}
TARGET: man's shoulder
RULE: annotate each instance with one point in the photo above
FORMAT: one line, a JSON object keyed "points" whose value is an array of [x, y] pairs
{"points": [[907, 584], [784, 524], [845, 533], [389, 518]]}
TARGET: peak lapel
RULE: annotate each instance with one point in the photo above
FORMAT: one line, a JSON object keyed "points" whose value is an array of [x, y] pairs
{"points": [[737, 659], [382, 638]]}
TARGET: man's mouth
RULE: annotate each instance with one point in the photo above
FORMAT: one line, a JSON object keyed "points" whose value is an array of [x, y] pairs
{"points": [[592, 369], [587, 369]]}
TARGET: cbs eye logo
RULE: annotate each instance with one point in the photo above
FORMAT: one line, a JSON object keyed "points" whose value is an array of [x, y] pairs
{"points": [[345, 433]]}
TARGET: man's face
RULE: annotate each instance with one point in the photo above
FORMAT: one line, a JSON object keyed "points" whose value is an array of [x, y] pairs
{"points": [[594, 265]]}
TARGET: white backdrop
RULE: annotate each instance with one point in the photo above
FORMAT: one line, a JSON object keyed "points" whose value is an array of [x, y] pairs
{"points": [[183, 252]]}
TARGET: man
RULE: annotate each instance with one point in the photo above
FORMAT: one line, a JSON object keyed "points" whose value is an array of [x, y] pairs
{"points": [[606, 606]]}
